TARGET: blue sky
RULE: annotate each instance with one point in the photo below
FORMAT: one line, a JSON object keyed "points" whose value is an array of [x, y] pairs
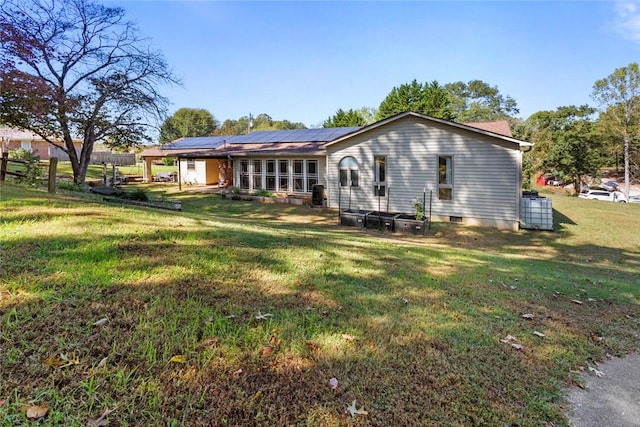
{"points": [[301, 61]]}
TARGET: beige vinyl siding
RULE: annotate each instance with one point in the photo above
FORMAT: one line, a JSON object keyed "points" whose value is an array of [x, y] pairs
{"points": [[486, 171]]}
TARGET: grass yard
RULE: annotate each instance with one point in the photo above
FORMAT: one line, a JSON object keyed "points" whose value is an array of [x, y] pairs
{"points": [[236, 313]]}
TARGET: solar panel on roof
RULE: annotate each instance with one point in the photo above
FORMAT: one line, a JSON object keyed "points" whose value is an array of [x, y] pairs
{"points": [[262, 137]]}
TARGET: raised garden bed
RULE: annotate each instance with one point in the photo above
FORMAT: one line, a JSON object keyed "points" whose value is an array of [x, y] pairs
{"points": [[353, 217], [380, 220], [409, 224]]}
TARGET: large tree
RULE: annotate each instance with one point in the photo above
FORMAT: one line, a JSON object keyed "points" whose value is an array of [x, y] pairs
{"points": [[430, 99], [345, 119], [575, 146], [476, 101], [75, 68], [619, 96], [187, 122]]}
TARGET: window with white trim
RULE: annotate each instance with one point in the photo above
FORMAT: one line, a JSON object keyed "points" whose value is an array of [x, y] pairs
{"points": [[283, 175], [26, 145], [445, 177], [349, 168], [271, 175], [298, 176], [379, 175], [312, 174], [244, 174], [257, 174], [191, 164]]}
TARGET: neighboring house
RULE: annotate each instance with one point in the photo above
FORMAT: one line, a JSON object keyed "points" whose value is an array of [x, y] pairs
{"points": [[473, 171], [11, 139]]}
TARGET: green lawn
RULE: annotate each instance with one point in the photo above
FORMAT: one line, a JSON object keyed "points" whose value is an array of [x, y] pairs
{"points": [[237, 313]]}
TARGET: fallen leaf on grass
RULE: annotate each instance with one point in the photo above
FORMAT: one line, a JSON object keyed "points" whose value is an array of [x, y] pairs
{"points": [[35, 412], [576, 301], [210, 341], [333, 383], [237, 373], [538, 334], [100, 322], [178, 358], [2, 402], [102, 363], [527, 316], [517, 346], [507, 339], [100, 421], [354, 411], [266, 350], [348, 337], [311, 346], [598, 373], [265, 316], [72, 360], [53, 361]]}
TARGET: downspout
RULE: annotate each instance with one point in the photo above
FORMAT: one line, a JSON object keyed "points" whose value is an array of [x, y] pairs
{"points": [[179, 175]]}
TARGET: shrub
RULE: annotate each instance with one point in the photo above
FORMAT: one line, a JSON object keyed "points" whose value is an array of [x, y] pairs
{"points": [[138, 194], [419, 208], [33, 169], [68, 186], [169, 161], [263, 193]]}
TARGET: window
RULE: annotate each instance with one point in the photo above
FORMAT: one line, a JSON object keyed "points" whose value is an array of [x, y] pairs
{"points": [[379, 175], [244, 174], [298, 176], [271, 175], [191, 164], [283, 175], [26, 145], [257, 174], [348, 172], [445, 178], [312, 174]]}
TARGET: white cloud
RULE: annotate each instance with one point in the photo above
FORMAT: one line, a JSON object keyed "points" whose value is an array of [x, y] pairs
{"points": [[627, 19]]}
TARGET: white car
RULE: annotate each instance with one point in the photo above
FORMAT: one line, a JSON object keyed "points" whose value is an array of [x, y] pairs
{"points": [[609, 196]]}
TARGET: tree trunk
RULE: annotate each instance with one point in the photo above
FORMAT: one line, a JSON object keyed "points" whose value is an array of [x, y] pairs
{"points": [[627, 177]]}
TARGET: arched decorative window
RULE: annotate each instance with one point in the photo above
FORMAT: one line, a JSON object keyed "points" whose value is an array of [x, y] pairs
{"points": [[348, 172]]}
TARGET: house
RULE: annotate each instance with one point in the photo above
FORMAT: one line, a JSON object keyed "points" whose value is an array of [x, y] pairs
{"points": [[464, 173], [11, 139], [283, 161], [467, 173]]}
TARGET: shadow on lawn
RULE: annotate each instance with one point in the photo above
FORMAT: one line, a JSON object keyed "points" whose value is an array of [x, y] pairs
{"points": [[424, 315]]}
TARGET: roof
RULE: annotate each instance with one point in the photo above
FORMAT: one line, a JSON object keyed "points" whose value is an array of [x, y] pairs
{"points": [[477, 128], [271, 149], [157, 151], [15, 134], [501, 127], [320, 135]]}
